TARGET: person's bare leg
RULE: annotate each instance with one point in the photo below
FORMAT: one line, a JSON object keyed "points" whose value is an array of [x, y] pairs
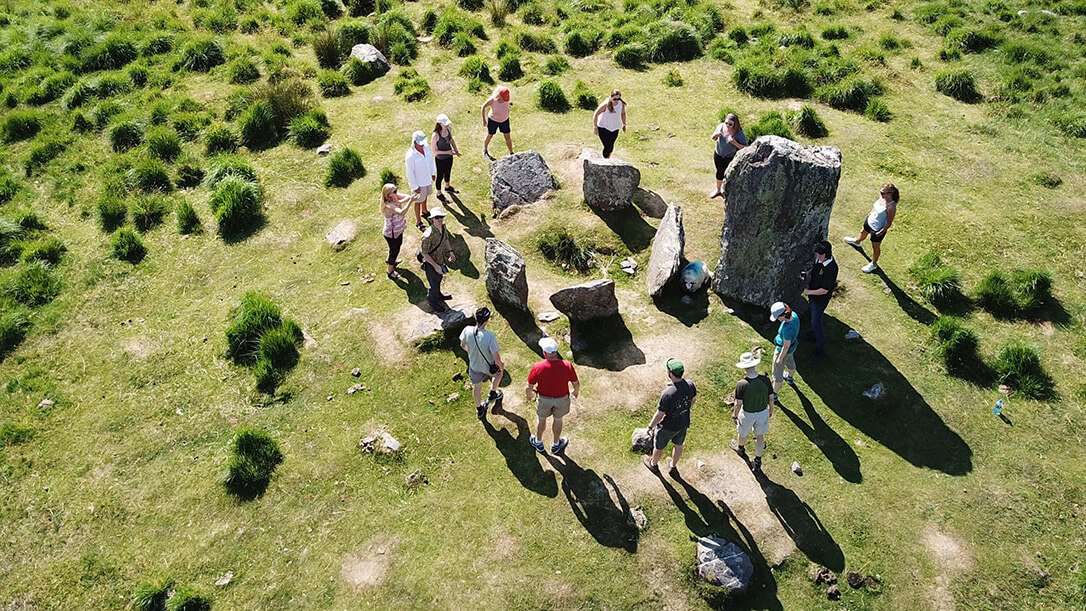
{"points": [[741, 440], [862, 236], [759, 445], [509, 143], [486, 143], [676, 454], [540, 426], [495, 382], [655, 460], [556, 428], [876, 250], [477, 392], [418, 212]]}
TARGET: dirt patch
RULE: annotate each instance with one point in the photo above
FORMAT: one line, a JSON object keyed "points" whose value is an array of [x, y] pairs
{"points": [[139, 348], [367, 566], [951, 557]]}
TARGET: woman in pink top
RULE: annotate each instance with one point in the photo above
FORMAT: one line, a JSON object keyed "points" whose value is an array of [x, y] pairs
{"points": [[394, 206], [498, 119]]}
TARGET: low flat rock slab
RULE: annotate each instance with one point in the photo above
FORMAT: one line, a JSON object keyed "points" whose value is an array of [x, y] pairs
{"points": [[609, 184], [424, 325], [342, 234], [724, 564], [520, 179]]}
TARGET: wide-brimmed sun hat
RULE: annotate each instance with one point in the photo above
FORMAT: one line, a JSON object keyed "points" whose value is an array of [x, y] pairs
{"points": [[748, 360], [438, 212]]}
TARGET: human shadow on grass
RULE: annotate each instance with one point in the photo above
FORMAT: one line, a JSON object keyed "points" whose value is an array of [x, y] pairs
{"points": [[802, 524], [604, 343], [832, 445], [670, 301], [630, 227], [910, 306], [706, 518], [608, 521], [463, 256], [901, 420], [523, 324], [520, 457], [474, 224], [412, 285]]}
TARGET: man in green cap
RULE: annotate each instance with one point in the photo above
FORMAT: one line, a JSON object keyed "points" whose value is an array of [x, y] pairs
{"points": [[672, 416]]}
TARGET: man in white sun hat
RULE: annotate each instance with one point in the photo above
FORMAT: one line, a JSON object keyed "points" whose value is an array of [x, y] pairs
{"points": [[550, 380], [754, 403], [421, 172]]}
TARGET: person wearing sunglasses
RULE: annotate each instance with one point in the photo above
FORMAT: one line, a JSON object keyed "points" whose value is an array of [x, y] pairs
{"points": [[877, 223], [729, 138], [394, 207], [610, 117]]}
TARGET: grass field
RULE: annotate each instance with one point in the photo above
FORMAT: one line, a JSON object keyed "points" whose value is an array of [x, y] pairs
{"points": [[117, 480]]}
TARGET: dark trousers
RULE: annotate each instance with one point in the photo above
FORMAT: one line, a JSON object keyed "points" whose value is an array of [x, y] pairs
{"points": [[394, 245], [444, 171], [608, 137], [817, 310], [433, 277]]}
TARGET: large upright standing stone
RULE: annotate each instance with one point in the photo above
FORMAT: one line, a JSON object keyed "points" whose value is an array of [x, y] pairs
{"points": [[777, 200], [506, 282], [520, 178], [609, 184], [667, 251]]}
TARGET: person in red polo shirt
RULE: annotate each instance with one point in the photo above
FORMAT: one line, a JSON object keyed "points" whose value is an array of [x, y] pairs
{"points": [[550, 379]]}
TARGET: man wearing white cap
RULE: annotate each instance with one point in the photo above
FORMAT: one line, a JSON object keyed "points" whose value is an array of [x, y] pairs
{"points": [[444, 147], [434, 254], [421, 172], [551, 379], [754, 403], [787, 341]]}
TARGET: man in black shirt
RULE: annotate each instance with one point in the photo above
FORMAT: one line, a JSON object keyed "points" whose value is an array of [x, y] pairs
{"points": [[673, 417], [820, 285]]}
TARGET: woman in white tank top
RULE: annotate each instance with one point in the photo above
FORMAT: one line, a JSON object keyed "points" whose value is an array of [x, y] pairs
{"points": [[610, 117], [876, 224]]}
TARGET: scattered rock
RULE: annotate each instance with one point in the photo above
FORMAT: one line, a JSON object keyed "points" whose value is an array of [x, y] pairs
{"points": [[453, 397], [309, 342], [642, 441], [798, 470], [509, 212], [640, 520], [345, 283], [860, 443], [46, 404], [667, 251], [852, 335], [225, 579], [778, 195], [729, 399], [609, 184], [724, 564], [380, 443], [368, 54], [506, 280], [872, 583], [629, 266], [446, 323], [875, 392], [356, 372], [520, 178], [330, 397], [650, 203], [549, 316], [586, 301], [368, 278], [855, 580], [416, 478], [342, 234], [822, 575], [324, 149], [833, 593], [355, 388]]}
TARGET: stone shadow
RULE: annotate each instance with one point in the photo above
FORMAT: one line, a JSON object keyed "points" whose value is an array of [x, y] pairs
{"points": [[463, 256], [523, 324], [650, 203], [670, 301], [474, 224], [520, 457], [833, 446], [802, 525], [630, 227], [604, 343], [412, 285], [902, 420], [608, 521]]}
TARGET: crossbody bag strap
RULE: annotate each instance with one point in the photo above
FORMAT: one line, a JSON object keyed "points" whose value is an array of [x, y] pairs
{"points": [[475, 335]]}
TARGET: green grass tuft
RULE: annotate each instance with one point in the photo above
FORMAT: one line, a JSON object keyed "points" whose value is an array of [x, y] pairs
{"points": [[14, 325], [163, 143], [583, 97], [126, 245], [254, 457], [806, 122], [152, 595], [220, 138], [18, 126], [770, 124], [955, 344], [31, 284], [551, 98], [333, 84], [255, 315], [344, 167], [237, 205], [125, 135], [994, 293], [147, 211], [958, 84], [410, 85], [309, 130], [1018, 365], [188, 222], [939, 283]]}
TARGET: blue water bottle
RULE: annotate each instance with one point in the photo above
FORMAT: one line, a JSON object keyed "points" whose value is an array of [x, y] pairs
{"points": [[998, 409]]}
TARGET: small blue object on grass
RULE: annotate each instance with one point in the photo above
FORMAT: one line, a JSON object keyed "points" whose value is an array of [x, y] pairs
{"points": [[998, 409]]}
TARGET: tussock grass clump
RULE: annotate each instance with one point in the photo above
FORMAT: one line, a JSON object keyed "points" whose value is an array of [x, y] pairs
{"points": [[475, 67], [351, 33], [309, 130], [188, 222], [220, 138], [462, 45], [534, 13], [583, 42], [632, 56], [149, 175], [556, 65], [968, 40], [31, 284], [344, 167], [125, 135], [152, 595], [14, 325], [163, 143], [878, 111], [147, 211], [12, 433], [257, 126], [394, 36], [958, 84], [835, 32], [534, 42], [42, 152], [509, 68], [1047, 180], [797, 38], [224, 166], [18, 126], [254, 457], [113, 52], [939, 283], [201, 54], [673, 41], [572, 250], [112, 211], [47, 250], [51, 88], [333, 84], [1032, 289], [410, 85], [187, 599], [9, 187], [359, 72], [300, 12], [760, 79], [237, 205], [242, 71], [770, 124], [1072, 125], [279, 346], [853, 93], [498, 11], [955, 344], [1018, 365], [673, 79], [451, 22], [994, 293], [551, 98], [328, 48], [249, 320], [806, 122], [583, 96], [126, 245], [388, 177]]}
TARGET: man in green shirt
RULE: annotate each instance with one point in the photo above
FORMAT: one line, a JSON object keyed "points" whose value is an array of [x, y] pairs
{"points": [[754, 403]]}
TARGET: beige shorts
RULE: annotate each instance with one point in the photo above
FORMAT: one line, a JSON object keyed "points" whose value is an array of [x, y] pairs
{"points": [[758, 422], [778, 370], [423, 193], [545, 407]]}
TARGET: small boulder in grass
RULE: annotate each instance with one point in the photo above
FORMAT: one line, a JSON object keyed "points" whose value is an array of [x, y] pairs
{"points": [[642, 441], [415, 479], [855, 580], [833, 593], [380, 443], [324, 149]]}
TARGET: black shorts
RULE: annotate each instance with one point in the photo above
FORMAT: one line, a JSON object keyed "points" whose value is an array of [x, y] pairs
{"points": [[721, 164], [875, 237], [493, 126]]}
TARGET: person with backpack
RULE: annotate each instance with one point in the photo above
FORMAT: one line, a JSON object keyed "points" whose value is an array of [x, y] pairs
{"points": [[444, 147], [754, 403], [550, 381], [435, 254], [672, 416], [484, 360]]}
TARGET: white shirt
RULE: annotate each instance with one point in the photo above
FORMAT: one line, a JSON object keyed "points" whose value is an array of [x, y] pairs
{"points": [[878, 216], [611, 121], [420, 167]]}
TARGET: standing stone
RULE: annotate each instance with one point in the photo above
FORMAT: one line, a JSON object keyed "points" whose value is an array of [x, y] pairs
{"points": [[609, 184], [506, 282], [724, 564], [667, 251], [373, 58], [587, 301], [341, 235], [520, 178], [778, 195]]}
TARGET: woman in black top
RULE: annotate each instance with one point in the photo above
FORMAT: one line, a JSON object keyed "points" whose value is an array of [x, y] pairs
{"points": [[444, 147]]}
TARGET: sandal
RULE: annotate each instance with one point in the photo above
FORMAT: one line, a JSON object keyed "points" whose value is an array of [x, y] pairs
{"points": [[648, 463], [449, 189], [394, 275]]}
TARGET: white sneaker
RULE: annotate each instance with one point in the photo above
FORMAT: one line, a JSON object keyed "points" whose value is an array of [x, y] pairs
{"points": [[851, 241], [870, 267]]}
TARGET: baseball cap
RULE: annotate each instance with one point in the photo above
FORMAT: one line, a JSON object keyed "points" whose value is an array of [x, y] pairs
{"points": [[482, 315], [503, 93], [418, 137], [675, 366], [775, 311], [444, 119], [548, 345], [437, 211]]}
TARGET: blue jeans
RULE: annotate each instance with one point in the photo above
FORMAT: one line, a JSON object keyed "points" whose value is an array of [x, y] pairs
{"points": [[817, 311]]}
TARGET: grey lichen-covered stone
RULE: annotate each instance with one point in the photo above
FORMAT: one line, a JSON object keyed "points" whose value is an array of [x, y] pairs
{"points": [[506, 280], [342, 234], [587, 301], [609, 184], [667, 251], [429, 326], [641, 442], [520, 179], [778, 195], [369, 54], [724, 564]]}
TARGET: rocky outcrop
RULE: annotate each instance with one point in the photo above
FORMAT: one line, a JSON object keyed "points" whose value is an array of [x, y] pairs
{"points": [[341, 235], [724, 564], [427, 327], [376, 63], [506, 281], [609, 184], [667, 251], [587, 301], [778, 195], [520, 179]]}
